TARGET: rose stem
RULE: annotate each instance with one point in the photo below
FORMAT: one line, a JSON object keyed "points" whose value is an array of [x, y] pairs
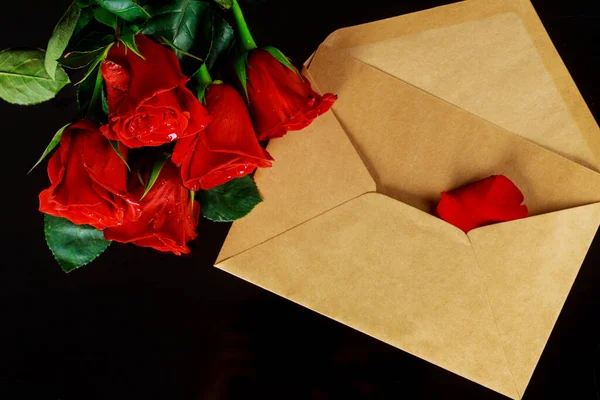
{"points": [[203, 79], [248, 42], [203, 76]]}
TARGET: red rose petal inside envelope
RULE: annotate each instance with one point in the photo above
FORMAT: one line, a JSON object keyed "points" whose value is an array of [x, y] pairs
{"points": [[490, 200]]}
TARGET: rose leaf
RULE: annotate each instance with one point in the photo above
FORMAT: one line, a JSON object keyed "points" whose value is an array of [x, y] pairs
{"points": [[126, 9], [60, 38], [191, 27], [53, 143], [24, 79], [230, 201], [72, 245]]}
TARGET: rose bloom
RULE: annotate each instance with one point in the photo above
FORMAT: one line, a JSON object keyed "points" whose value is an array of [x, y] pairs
{"points": [[226, 149], [88, 180], [148, 102], [280, 99], [167, 221], [490, 200]]}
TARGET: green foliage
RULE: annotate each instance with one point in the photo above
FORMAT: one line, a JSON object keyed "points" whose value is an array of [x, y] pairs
{"points": [[24, 79], [115, 145], [80, 59], [191, 26], [279, 56], [53, 143], [89, 97], [128, 39], [72, 245], [239, 66], [125, 9], [230, 201], [156, 168], [226, 4], [85, 16], [105, 17], [60, 38]]}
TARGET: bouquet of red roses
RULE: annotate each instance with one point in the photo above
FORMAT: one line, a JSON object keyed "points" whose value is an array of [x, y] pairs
{"points": [[157, 141]]}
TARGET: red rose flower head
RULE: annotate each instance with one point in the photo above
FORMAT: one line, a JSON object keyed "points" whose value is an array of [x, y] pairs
{"points": [[280, 98], [226, 149], [490, 200], [148, 102], [167, 221], [88, 180]]}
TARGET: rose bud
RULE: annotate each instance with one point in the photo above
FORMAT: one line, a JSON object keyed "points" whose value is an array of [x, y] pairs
{"points": [[279, 97], [490, 200], [148, 102], [88, 180], [167, 221], [226, 149]]}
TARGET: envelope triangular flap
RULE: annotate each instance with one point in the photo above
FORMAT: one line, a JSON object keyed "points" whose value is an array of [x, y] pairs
{"points": [[529, 267], [414, 285], [416, 145], [315, 170], [491, 58]]}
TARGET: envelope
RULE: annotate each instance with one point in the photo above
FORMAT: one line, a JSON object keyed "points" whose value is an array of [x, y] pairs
{"points": [[428, 102]]}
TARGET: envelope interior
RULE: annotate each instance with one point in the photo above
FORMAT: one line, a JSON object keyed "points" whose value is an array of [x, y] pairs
{"points": [[416, 145], [481, 305], [491, 58]]}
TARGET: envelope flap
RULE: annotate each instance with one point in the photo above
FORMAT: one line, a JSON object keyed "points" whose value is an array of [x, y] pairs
{"points": [[417, 145], [414, 285], [491, 58], [529, 267], [315, 170]]}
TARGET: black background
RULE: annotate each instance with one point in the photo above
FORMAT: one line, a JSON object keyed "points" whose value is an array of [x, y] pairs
{"points": [[141, 324]]}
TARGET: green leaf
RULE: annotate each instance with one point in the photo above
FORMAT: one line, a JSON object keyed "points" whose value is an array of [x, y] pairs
{"points": [[89, 97], [126, 9], [128, 39], [24, 79], [96, 63], [92, 41], [158, 165], [177, 49], [279, 56], [60, 38], [231, 201], [192, 26], [86, 15], [72, 245], [239, 66], [115, 145], [105, 17], [201, 92], [79, 59], [53, 143], [226, 4], [222, 36]]}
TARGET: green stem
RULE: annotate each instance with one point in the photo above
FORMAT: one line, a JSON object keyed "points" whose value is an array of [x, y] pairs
{"points": [[248, 42], [203, 80], [203, 76]]}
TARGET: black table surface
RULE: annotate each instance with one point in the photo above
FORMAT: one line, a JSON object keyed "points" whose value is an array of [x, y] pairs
{"points": [[140, 324]]}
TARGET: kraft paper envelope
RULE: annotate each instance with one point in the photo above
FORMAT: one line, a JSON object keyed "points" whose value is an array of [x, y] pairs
{"points": [[429, 102]]}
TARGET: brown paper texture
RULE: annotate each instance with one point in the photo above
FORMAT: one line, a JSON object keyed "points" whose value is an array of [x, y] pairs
{"points": [[428, 102]]}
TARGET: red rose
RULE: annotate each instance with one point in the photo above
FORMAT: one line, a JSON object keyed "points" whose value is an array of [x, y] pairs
{"points": [[490, 200], [280, 99], [226, 149], [148, 102], [88, 180], [167, 221]]}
